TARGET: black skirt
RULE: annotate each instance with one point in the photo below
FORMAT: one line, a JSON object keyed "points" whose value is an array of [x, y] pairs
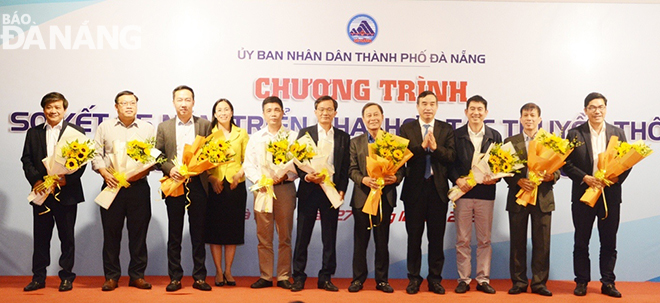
{"points": [[225, 215]]}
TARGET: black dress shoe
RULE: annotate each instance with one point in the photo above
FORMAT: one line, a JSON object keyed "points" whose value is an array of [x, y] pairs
{"points": [[413, 286], [517, 290], [298, 286], [201, 285], [327, 285], [544, 291], [173, 286], [580, 289], [485, 287], [437, 288], [284, 284], [262, 283], [227, 282], [219, 283], [385, 287], [462, 287], [355, 286], [66, 285], [610, 290], [109, 285], [34, 285]]}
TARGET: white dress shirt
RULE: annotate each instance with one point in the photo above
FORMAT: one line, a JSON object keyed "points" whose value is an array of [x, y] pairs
{"points": [[185, 134], [52, 135], [255, 152], [113, 130], [327, 138], [598, 144]]}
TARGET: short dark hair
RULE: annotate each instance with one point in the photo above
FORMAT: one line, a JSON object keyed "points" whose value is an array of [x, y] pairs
{"points": [[476, 98], [326, 98], [272, 99], [372, 104], [54, 97], [530, 106], [182, 87], [426, 93], [125, 93], [593, 96], [214, 122]]}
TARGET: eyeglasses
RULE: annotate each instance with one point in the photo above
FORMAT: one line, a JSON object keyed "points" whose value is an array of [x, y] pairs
{"points": [[593, 108], [124, 103], [326, 110]]}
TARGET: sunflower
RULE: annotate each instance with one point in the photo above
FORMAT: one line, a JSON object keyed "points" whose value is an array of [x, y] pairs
{"points": [[74, 145], [71, 164], [397, 154]]}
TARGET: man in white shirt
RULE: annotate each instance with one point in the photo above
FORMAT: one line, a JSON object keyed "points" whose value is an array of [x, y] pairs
{"points": [[283, 206]]}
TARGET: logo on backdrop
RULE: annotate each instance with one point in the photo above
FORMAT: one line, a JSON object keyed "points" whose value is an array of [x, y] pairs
{"points": [[362, 29]]}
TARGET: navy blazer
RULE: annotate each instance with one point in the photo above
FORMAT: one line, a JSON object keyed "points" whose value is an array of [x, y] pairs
{"points": [[463, 163], [580, 162], [341, 160], [441, 158], [34, 150]]}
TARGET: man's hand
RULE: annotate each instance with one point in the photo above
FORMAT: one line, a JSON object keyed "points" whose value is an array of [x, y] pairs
{"points": [[593, 182], [138, 176], [341, 195], [39, 192], [175, 174], [389, 180], [526, 184], [463, 184], [62, 180], [110, 180], [314, 178], [548, 177]]}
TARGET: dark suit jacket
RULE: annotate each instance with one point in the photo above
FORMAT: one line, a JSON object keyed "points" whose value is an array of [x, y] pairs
{"points": [[545, 199], [341, 160], [358, 170], [166, 143], [441, 158], [580, 162], [464, 153], [34, 150]]}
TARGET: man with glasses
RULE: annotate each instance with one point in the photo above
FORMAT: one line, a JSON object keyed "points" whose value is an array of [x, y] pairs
{"points": [[312, 199], [581, 166], [132, 203]]}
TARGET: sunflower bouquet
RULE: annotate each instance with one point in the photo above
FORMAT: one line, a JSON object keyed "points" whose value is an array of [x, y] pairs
{"points": [[73, 150], [617, 158], [546, 154], [387, 154], [500, 160], [217, 152], [277, 163], [127, 160]]}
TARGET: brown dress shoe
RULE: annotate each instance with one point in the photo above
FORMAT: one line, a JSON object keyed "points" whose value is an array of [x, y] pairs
{"points": [[110, 284], [140, 283]]}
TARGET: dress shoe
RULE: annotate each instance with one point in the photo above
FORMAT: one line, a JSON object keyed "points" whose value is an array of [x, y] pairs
{"points": [[462, 287], [580, 289], [140, 284], [355, 286], [66, 285], [437, 288], [610, 290], [413, 286], [284, 284], [261, 283], [327, 285], [34, 285], [201, 285], [385, 287], [299, 285], [485, 287], [219, 283], [517, 290], [173, 286], [227, 282], [110, 284], [544, 291]]}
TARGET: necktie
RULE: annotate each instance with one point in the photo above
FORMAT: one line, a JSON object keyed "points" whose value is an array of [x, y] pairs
{"points": [[427, 171]]}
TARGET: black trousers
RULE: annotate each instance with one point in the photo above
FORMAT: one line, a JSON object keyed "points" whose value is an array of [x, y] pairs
{"points": [[361, 233], [317, 201], [583, 221], [132, 204], [541, 222], [431, 210], [64, 216], [176, 210]]}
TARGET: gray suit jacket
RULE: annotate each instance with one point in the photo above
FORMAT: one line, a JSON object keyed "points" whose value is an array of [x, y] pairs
{"points": [[166, 143], [358, 170], [545, 199]]}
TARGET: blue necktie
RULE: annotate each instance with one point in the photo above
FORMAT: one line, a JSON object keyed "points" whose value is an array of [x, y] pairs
{"points": [[427, 171]]}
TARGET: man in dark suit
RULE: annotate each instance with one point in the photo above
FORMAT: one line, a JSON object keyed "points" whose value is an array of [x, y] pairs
{"points": [[171, 136], [541, 213], [311, 197], [478, 201], [581, 167], [372, 116], [40, 143], [424, 193]]}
